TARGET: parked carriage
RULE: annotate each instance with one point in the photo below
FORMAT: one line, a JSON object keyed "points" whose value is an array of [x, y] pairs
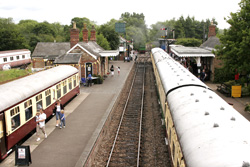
{"points": [[14, 58], [202, 129], [22, 98]]}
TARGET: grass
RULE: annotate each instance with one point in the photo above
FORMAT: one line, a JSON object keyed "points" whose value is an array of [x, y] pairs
{"points": [[12, 74]]}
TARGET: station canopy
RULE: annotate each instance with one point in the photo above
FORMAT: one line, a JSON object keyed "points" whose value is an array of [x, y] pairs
{"points": [[182, 51]]}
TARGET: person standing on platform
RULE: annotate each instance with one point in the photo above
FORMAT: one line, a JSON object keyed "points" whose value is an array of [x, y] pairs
{"points": [[89, 79], [62, 118], [58, 108], [112, 70], [203, 75], [41, 120], [119, 70]]}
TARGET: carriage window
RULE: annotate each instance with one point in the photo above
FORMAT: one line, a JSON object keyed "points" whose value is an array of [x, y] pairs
{"points": [[74, 78], [58, 90], [15, 118], [39, 102], [23, 56], [28, 109], [173, 150], [1, 129], [17, 57], [11, 58], [5, 59], [70, 83], [64, 87], [48, 97]]}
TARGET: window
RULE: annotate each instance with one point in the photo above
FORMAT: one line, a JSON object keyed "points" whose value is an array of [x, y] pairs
{"points": [[173, 150], [64, 87], [28, 109], [39, 102], [15, 118], [74, 79], [23, 56], [48, 97], [5, 59], [58, 90], [11, 58], [17, 57], [70, 83]]}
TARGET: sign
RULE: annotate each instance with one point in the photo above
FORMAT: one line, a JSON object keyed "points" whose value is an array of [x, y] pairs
{"points": [[22, 155], [120, 27]]}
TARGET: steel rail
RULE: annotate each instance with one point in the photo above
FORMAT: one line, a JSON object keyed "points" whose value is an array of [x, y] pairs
{"points": [[123, 112]]}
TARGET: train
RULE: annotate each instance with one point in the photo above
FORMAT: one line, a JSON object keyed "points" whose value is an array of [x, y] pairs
{"points": [[14, 58], [202, 130], [21, 99]]}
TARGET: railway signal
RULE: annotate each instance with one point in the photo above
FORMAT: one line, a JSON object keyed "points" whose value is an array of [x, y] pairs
{"points": [[164, 28]]}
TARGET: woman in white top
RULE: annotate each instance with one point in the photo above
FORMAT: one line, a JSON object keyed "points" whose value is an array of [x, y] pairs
{"points": [[58, 108]]}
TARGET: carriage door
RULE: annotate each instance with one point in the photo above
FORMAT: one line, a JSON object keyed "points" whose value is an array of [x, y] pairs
{"points": [[2, 136], [88, 69]]}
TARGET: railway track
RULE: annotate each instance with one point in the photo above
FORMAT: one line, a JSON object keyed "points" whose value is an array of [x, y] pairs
{"points": [[126, 146]]}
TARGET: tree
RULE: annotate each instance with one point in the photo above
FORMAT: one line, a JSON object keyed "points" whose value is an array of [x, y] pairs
{"points": [[235, 46], [109, 33], [188, 42], [102, 41], [10, 37]]}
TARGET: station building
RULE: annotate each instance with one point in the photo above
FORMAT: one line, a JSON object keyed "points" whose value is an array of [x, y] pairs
{"points": [[199, 58], [87, 55]]}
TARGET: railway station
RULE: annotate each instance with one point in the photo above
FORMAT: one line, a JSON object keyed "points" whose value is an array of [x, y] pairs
{"points": [[93, 119]]}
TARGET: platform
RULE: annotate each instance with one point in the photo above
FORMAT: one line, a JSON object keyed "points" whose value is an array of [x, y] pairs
{"points": [[85, 117]]}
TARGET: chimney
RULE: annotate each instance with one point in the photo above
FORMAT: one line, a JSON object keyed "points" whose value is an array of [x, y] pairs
{"points": [[92, 36], [74, 35], [85, 33], [211, 31]]}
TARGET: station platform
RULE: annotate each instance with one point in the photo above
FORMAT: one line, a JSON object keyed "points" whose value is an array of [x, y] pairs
{"points": [[85, 117]]}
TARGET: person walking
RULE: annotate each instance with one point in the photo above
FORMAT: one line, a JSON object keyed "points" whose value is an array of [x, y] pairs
{"points": [[119, 70], [89, 79], [41, 121], [62, 118], [112, 70], [58, 108], [203, 75]]}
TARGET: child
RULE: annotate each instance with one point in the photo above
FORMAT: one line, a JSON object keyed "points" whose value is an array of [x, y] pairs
{"points": [[62, 118], [118, 70]]}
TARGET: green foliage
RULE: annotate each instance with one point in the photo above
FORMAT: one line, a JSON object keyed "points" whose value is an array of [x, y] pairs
{"points": [[235, 46], [136, 28], [12, 74], [109, 33], [189, 42], [222, 75], [102, 41]]}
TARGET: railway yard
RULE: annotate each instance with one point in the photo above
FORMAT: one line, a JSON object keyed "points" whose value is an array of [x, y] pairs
{"points": [[117, 123]]}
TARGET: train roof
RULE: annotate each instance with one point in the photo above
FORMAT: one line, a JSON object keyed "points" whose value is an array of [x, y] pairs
{"points": [[14, 52], [172, 73], [210, 132], [21, 89]]}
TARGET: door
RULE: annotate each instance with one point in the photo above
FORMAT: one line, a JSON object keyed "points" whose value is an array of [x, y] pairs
{"points": [[88, 69], [2, 135]]}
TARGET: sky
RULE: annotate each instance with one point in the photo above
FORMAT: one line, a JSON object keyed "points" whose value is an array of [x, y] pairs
{"points": [[102, 11]]}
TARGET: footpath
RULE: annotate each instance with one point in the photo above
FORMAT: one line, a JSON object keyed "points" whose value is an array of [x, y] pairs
{"points": [[238, 103], [85, 117]]}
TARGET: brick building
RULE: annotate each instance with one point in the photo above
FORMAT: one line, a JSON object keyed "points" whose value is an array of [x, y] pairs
{"points": [[87, 55], [210, 44]]}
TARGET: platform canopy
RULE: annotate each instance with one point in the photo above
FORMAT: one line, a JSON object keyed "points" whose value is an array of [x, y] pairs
{"points": [[107, 53], [182, 51]]}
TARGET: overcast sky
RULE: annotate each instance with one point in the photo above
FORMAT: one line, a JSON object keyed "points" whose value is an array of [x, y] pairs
{"points": [[101, 11]]}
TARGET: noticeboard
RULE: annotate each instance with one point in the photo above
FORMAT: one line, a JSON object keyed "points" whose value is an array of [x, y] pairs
{"points": [[22, 155], [120, 27]]}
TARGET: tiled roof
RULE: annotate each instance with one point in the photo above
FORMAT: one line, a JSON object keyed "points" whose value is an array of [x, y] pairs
{"points": [[211, 43], [55, 49], [70, 58]]}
